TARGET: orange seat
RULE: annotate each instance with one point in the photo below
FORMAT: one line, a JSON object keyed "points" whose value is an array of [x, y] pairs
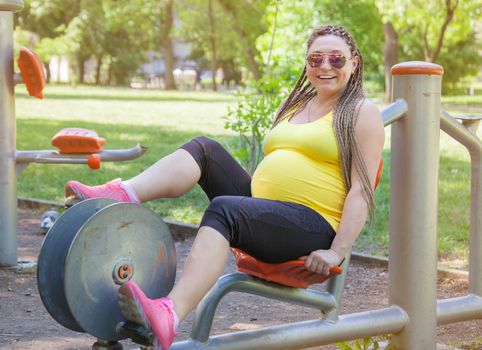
{"points": [[291, 273], [77, 140], [379, 174], [32, 72]]}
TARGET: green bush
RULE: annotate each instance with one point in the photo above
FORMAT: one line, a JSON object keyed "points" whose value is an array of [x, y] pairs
{"points": [[253, 115]]}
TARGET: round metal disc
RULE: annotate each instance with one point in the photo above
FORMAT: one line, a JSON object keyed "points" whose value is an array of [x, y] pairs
{"points": [[119, 231], [50, 265]]}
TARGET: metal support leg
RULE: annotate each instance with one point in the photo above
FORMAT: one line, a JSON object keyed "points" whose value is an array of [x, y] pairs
{"points": [[101, 344], [8, 182], [335, 287], [413, 204]]}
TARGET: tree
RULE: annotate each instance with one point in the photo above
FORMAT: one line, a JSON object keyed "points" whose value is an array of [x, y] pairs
{"points": [[390, 55], [295, 23], [114, 31], [166, 20], [242, 14], [427, 29], [212, 35], [212, 39], [46, 22]]}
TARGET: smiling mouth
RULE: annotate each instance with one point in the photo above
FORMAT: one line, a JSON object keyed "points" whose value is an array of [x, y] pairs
{"points": [[325, 77]]}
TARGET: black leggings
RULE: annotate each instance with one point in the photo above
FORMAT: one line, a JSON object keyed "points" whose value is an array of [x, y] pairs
{"points": [[269, 230]]}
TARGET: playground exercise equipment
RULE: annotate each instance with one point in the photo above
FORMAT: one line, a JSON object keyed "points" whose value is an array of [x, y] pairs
{"points": [[104, 228], [13, 161], [413, 312], [92, 248]]}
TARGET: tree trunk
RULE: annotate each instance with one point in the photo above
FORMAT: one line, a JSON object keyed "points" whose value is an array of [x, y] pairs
{"points": [[110, 74], [80, 69], [166, 42], [212, 38], [249, 48], [449, 15], [48, 73], [97, 69], [390, 56]]}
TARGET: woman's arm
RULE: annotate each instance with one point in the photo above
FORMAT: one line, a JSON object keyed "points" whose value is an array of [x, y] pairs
{"points": [[370, 135]]}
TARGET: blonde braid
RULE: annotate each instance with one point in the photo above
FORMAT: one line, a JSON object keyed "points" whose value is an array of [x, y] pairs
{"points": [[345, 113]]}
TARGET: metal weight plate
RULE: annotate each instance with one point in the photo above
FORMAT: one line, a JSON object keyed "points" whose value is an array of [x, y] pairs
{"points": [[50, 265], [117, 236]]}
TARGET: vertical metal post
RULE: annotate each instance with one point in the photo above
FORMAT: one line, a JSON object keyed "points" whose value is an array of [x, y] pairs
{"points": [[8, 181], [474, 146], [335, 287], [413, 203]]}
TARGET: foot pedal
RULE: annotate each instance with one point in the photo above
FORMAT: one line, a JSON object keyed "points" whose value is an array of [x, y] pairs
{"points": [[77, 140], [137, 333]]}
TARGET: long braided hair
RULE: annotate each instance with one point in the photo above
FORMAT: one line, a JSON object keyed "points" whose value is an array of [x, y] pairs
{"points": [[345, 113]]}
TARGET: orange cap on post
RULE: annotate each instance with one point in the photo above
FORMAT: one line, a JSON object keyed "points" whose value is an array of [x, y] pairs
{"points": [[417, 67]]}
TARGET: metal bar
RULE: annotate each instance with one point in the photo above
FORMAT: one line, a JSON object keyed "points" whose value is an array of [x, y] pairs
{"points": [[336, 285], [241, 282], [51, 156], [394, 111], [459, 309], [456, 130], [413, 207], [471, 122], [308, 333], [8, 182]]}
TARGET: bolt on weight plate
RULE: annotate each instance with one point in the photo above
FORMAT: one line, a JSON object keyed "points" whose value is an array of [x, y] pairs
{"points": [[120, 235], [123, 271], [51, 260]]}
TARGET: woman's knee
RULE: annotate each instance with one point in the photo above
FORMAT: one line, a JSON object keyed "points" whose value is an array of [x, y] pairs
{"points": [[222, 214], [208, 144], [225, 205]]}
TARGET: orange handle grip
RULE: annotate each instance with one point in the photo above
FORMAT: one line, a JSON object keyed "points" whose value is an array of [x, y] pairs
{"points": [[93, 161], [337, 270]]}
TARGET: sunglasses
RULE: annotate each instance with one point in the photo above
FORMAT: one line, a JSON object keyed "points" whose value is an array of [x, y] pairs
{"points": [[316, 59]]}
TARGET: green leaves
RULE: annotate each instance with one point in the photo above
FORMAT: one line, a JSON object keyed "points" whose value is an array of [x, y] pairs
{"points": [[364, 344], [420, 25], [253, 115]]}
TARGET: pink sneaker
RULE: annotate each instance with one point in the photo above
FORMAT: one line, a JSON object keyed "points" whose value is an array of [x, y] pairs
{"points": [[111, 190], [156, 315]]}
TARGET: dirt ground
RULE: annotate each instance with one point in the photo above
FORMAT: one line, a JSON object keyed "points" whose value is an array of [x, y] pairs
{"points": [[26, 325]]}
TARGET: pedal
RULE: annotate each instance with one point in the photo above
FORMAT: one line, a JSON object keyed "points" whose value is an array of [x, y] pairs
{"points": [[137, 333]]}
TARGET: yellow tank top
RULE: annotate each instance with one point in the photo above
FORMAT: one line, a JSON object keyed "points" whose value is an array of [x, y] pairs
{"points": [[302, 165]]}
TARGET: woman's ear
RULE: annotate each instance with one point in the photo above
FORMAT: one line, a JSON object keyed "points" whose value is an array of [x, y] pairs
{"points": [[354, 64]]}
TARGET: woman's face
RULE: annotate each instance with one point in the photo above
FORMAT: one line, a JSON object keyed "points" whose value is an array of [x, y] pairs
{"points": [[327, 79]]}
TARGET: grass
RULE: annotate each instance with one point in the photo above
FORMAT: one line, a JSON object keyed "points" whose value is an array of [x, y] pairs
{"points": [[161, 121], [165, 120], [475, 100]]}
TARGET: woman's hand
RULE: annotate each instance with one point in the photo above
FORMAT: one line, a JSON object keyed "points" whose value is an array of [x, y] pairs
{"points": [[321, 261]]}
